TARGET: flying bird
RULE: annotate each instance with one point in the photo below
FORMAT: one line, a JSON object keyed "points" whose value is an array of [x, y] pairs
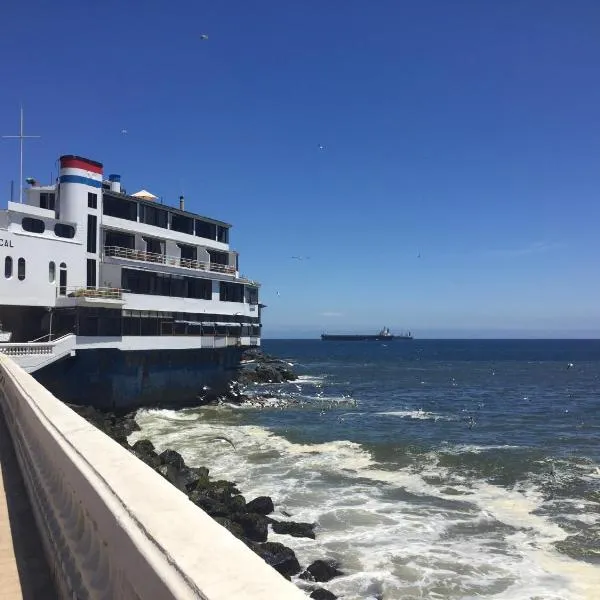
{"points": [[124, 131], [300, 257], [321, 147], [204, 37]]}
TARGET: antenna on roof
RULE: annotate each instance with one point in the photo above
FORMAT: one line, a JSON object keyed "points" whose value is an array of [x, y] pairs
{"points": [[21, 137]]}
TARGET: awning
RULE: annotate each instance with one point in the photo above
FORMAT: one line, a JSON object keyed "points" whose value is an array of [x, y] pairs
{"points": [[229, 324]]}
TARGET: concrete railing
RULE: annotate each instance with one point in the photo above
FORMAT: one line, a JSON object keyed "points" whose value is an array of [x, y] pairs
{"points": [[32, 356], [112, 527]]}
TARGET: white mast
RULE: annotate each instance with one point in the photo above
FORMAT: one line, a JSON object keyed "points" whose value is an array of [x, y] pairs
{"points": [[21, 137]]}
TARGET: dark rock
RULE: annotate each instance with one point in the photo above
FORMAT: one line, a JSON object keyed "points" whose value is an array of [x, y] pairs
{"points": [[263, 505], [151, 459], [321, 570], [144, 447], [254, 526], [210, 506], [173, 475], [280, 557], [237, 504], [293, 528], [232, 527], [171, 457], [322, 594]]}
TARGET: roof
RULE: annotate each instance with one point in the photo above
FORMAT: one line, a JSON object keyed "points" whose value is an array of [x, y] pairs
{"points": [[172, 209], [145, 194]]}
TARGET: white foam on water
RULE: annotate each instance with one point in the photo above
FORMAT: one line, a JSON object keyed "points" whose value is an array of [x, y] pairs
{"points": [[392, 531], [415, 414], [474, 449], [310, 379]]}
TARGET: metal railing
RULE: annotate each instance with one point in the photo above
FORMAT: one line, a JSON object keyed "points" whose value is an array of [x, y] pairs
{"points": [[29, 348], [163, 259], [90, 292]]}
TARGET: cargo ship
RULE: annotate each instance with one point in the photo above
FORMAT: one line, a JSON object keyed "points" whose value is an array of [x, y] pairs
{"points": [[382, 336]]}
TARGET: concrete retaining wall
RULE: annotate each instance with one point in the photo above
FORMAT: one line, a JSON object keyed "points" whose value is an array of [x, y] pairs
{"points": [[112, 527]]}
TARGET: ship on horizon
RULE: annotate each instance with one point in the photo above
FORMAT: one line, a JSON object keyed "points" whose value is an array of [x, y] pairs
{"points": [[383, 335]]}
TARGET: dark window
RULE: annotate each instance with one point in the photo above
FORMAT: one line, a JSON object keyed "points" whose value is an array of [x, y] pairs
{"points": [[92, 222], [131, 326], [119, 240], [91, 273], [218, 258], [231, 292], [52, 272], [62, 279], [206, 230], [188, 252], [154, 245], [154, 216], [252, 295], [119, 207], [199, 288], [222, 234], [92, 200], [47, 200], [33, 225], [64, 231], [21, 269], [182, 224], [8, 266]]}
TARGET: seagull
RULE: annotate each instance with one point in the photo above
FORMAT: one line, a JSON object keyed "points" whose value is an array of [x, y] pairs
{"points": [[300, 257], [321, 147], [204, 37], [124, 131], [278, 294], [222, 437]]}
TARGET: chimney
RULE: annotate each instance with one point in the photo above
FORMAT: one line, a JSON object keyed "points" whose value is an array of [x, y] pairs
{"points": [[115, 183], [181, 203]]}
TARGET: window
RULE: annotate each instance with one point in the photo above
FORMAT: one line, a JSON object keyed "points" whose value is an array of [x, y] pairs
{"points": [[206, 230], [21, 269], [119, 207], [154, 216], [182, 224], [119, 240], [188, 252], [62, 279], [154, 245], [64, 231], [91, 273], [222, 234], [8, 267], [47, 200], [92, 200], [52, 272], [33, 225], [92, 221], [231, 292]]}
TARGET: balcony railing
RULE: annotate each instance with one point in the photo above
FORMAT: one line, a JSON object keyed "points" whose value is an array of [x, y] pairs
{"points": [[90, 292], [186, 263]]}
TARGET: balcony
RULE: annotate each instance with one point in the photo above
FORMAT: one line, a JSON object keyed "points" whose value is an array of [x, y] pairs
{"points": [[90, 296], [151, 257]]}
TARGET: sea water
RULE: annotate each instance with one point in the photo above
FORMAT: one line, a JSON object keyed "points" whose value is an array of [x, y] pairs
{"points": [[433, 469]]}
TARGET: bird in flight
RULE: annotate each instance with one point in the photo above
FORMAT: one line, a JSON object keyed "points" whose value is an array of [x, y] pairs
{"points": [[124, 131], [300, 257], [321, 147], [204, 37]]}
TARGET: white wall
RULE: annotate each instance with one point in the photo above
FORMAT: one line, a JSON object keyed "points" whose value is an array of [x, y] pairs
{"points": [[111, 526]]}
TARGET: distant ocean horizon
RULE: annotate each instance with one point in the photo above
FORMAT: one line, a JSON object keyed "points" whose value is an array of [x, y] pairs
{"points": [[443, 469]]}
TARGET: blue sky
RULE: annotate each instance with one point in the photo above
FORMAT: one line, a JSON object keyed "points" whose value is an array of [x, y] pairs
{"points": [[467, 132]]}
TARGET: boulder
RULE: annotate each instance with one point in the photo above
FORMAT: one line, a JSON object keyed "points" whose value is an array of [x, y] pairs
{"points": [[144, 447], [263, 505], [173, 475], [171, 457], [280, 557], [322, 594], [294, 529], [321, 570], [210, 506], [254, 526], [232, 527]]}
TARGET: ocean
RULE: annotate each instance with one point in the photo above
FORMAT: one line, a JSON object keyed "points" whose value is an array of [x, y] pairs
{"points": [[433, 469]]}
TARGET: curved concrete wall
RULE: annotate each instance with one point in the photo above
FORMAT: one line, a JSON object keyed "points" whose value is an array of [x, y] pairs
{"points": [[112, 527]]}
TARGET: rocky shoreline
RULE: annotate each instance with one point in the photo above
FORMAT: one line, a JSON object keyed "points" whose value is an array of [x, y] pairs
{"points": [[221, 499]]}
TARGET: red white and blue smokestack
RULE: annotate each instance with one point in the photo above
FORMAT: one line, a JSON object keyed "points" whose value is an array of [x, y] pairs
{"points": [[115, 182]]}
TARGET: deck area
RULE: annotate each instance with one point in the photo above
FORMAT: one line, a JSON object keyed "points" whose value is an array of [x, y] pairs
{"points": [[24, 572]]}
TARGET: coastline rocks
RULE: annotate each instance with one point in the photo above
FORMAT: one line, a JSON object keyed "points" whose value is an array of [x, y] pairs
{"points": [[322, 594], [280, 557], [321, 570], [263, 505], [294, 529], [255, 526], [171, 457], [258, 367]]}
